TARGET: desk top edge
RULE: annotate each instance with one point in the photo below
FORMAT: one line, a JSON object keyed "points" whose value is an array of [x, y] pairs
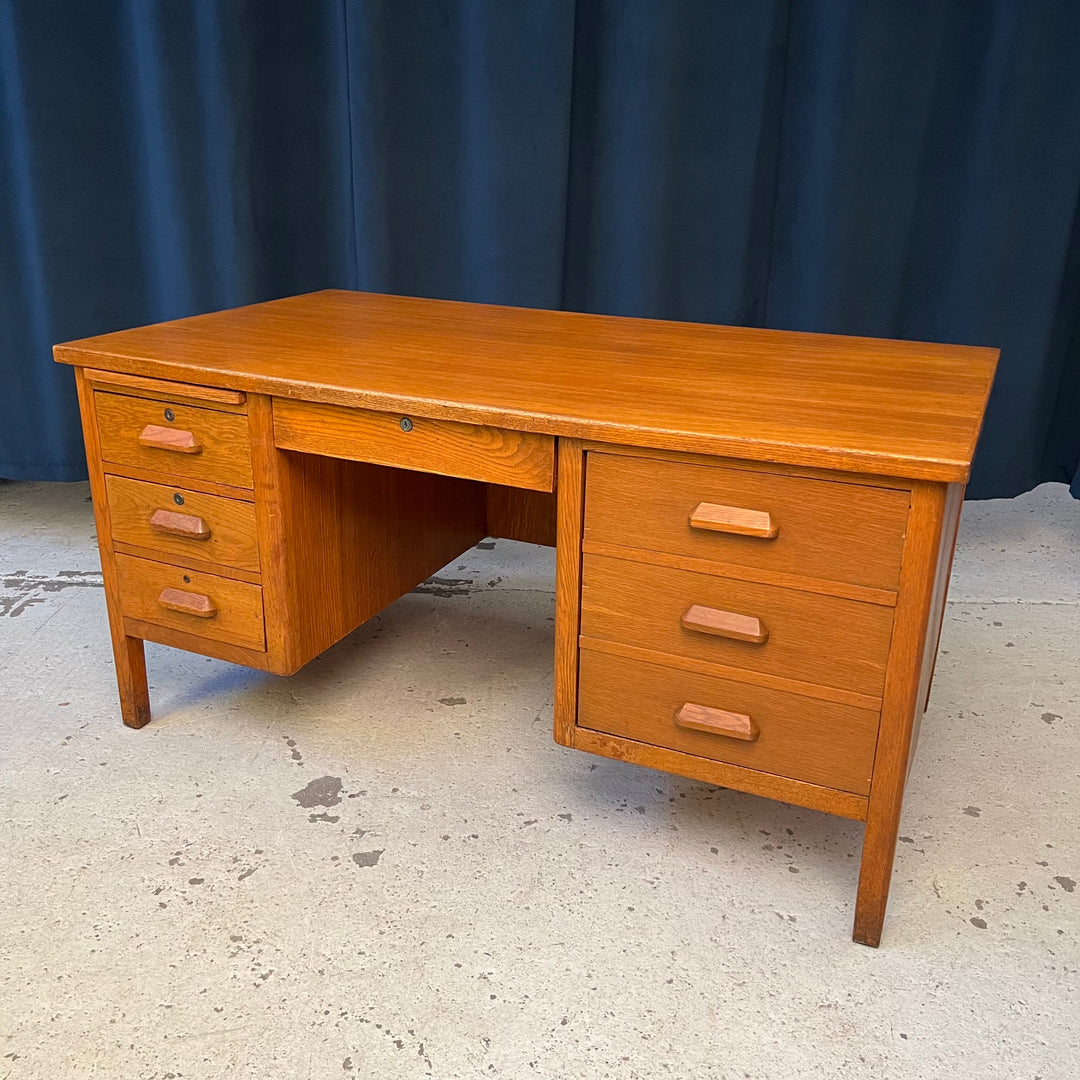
{"points": [[896, 408]]}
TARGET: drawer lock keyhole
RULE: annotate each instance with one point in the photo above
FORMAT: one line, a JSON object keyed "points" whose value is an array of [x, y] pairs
{"points": [[170, 415], [178, 499], [406, 424]]}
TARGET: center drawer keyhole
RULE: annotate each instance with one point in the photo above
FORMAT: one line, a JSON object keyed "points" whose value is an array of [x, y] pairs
{"points": [[170, 415], [178, 499]]}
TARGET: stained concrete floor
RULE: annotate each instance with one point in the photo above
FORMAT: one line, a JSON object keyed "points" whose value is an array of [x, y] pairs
{"points": [[383, 867]]}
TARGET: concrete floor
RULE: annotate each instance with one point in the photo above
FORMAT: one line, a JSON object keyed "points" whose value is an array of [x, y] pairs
{"points": [[383, 867]]}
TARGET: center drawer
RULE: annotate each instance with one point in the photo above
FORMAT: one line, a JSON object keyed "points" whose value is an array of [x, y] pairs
{"points": [[822, 529], [472, 451], [824, 640]]}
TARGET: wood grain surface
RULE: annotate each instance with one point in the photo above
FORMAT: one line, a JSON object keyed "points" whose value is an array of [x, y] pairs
{"points": [[444, 447], [224, 455], [819, 742], [232, 538], [837, 532], [894, 407], [226, 609], [812, 638]]}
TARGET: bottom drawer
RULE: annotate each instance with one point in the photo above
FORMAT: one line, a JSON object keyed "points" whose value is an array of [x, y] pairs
{"points": [[803, 738], [203, 604]]}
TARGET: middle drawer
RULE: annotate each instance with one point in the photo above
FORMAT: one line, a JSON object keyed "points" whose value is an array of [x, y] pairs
{"points": [[824, 640], [183, 522]]}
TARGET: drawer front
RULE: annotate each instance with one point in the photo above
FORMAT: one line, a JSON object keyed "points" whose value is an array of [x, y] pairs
{"points": [[202, 604], [818, 742], [182, 522], [472, 451], [821, 529], [200, 443], [808, 637]]}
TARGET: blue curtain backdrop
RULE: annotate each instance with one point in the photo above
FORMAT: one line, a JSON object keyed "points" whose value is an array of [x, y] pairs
{"points": [[901, 168]]}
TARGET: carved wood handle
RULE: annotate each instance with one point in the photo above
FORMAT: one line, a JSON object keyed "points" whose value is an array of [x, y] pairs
{"points": [[733, 519], [188, 603], [725, 624], [716, 722], [188, 526], [165, 438]]}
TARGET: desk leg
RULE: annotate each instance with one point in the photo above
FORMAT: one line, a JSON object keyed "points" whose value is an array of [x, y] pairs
{"points": [[128, 652], [130, 662], [899, 704]]}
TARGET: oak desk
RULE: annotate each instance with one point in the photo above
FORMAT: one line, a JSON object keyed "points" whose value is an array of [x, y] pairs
{"points": [[754, 528]]}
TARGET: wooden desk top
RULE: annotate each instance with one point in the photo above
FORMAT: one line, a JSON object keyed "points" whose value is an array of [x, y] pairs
{"points": [[895, 408]]}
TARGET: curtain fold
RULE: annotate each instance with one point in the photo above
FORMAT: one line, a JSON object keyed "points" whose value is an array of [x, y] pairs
{"points": [[906, 169]]}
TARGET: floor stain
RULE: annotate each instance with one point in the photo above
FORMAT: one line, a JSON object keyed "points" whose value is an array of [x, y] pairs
{"points": [[440, 586], [1066, 883], [21, 590], [322, 791], [367, 858]]}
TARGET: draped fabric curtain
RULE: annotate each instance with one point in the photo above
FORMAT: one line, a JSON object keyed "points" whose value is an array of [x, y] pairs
{"points": [[905, 169]]}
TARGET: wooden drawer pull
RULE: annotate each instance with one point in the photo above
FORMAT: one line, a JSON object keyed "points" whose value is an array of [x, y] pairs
{"points": [[188, 526], [716, 722], [733, 519], [188, 603], [163, 438], [725, 624]]}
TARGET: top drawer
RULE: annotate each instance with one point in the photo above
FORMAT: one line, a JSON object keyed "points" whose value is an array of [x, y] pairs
{"points": [[789, 524], [449, 447], [179, 440]]}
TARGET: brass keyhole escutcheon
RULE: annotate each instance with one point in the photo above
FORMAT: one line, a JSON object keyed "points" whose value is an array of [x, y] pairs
{"points": [[406, 424], [170, 415]]}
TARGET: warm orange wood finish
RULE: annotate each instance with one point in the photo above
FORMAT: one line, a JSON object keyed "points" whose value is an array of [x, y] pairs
{"points": [[736, 777], [902, 701], [717, 722], [900, 408], [128, 652], [162, 390], [832, 531], [734, 520], [207, 444], [186, 526], [162, 518], [187, 603], [215, 607], [347, 538], [571, 493], [520, 514], [471, 451], [753, 528], [818, 742], [725, 624], [814, 639]]}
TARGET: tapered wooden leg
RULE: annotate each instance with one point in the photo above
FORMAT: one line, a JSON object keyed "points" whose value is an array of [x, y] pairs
{"points": [[128, 652], [906, 675], [131, 681], [875, 875]]}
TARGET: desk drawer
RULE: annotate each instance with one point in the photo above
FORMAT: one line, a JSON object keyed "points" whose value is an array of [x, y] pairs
{"points": [[822, 529], [175, 439], [474, 452], [183, 522], [802, 636], [203, 604], [818, 742]]}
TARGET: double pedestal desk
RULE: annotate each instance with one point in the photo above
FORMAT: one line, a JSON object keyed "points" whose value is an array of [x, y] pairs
{"points": [[753, 528]]}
